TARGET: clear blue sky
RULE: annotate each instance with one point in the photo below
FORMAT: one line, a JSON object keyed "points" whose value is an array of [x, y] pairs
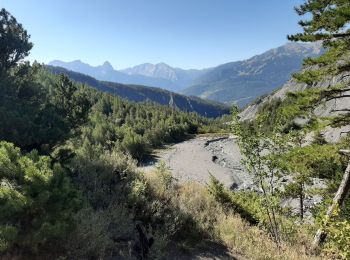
{"points": [[182, 33]]}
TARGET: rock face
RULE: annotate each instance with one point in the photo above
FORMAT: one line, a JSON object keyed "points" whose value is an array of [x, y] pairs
{"points": [[160, 70], [225, 152], [301, 121], [326, 109], [333, 135]]}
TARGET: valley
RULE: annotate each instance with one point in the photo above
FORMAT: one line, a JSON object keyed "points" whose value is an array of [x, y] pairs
{"points": [[249, 159]]}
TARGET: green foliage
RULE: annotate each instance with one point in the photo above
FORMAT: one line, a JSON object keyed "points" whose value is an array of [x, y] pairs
{"points": [[70, 102], [329, 20], [83, 199], [137, 127], [134, 144], [14, 41], [266, 170], [310, 76], [34, 116], [234, 201], [322, 161], [338, 230], [38, 200]]}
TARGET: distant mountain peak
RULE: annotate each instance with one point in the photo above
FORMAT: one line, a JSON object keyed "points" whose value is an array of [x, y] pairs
{"points": [[159, 70], [163, 64], [107, 66]]}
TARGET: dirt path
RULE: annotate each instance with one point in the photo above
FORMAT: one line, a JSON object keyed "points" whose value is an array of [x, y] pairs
{"points": [[196, 159]]}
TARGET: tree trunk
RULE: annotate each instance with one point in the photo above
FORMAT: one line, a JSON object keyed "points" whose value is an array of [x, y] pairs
{"points": [[337, 200], [301, 201]]}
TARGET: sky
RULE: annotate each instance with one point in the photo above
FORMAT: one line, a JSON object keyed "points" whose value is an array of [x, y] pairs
{"points": [[182, 33]]}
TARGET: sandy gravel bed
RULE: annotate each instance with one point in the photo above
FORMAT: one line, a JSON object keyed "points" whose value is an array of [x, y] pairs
{"points": [[196, 159]]}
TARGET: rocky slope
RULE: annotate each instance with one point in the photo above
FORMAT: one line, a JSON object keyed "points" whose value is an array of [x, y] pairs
{"points": [[325, 109]]}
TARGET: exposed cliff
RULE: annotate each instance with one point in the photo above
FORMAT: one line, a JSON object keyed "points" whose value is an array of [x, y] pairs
{"points": [[327, 108]]}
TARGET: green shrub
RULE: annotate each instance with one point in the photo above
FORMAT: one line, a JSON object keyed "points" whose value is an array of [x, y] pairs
{"points": [[338, 235], [135, 145], [37, 200]]}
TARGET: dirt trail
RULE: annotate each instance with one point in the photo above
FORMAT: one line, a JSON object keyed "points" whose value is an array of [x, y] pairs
{"points": [[196, 159]]}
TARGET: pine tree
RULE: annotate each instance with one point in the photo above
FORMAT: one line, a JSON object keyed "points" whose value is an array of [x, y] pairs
{"points": [[329, 23], [329, 20], [14, 41]]}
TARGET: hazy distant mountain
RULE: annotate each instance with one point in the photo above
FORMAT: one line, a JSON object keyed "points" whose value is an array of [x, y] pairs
{"points": [[237, 82], [181, 77], [242, 81], [139, 93], [160, 70], [105, 71], [158, 75]]}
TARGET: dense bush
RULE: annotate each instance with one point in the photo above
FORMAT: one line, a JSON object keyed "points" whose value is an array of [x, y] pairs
{"points": [[37, 200]]}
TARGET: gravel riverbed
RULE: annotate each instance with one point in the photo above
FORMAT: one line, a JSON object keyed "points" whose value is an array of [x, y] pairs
{"points": [[197, 158]]}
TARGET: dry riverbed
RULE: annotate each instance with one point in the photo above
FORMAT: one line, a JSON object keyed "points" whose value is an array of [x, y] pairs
{"points": [[197, 158]]}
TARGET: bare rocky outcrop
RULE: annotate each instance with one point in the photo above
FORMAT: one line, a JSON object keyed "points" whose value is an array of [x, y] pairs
{"points": [[328, 108]]}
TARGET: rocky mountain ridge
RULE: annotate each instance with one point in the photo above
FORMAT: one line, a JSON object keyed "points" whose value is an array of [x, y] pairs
{"points": [[237, 82], [243, 81]]}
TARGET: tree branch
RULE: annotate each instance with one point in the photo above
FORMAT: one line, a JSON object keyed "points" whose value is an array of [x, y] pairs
{"points": [[341, 110], [340, 35], [343, 96]]}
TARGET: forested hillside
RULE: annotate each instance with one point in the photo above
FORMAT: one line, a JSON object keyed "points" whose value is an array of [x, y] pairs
{"points": [[142, 93]]}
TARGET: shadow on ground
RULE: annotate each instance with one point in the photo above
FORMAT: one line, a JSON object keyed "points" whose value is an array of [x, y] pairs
{"points": [[207, 251]]}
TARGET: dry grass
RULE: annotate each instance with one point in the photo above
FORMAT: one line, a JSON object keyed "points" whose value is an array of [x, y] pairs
{"points": [[254, 243], [228, 229]]}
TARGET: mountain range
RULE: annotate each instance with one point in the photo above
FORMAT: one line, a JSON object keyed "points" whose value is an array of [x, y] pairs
{"points": [[139, 93], [237, 82], [241, 82], [155, 75]]}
